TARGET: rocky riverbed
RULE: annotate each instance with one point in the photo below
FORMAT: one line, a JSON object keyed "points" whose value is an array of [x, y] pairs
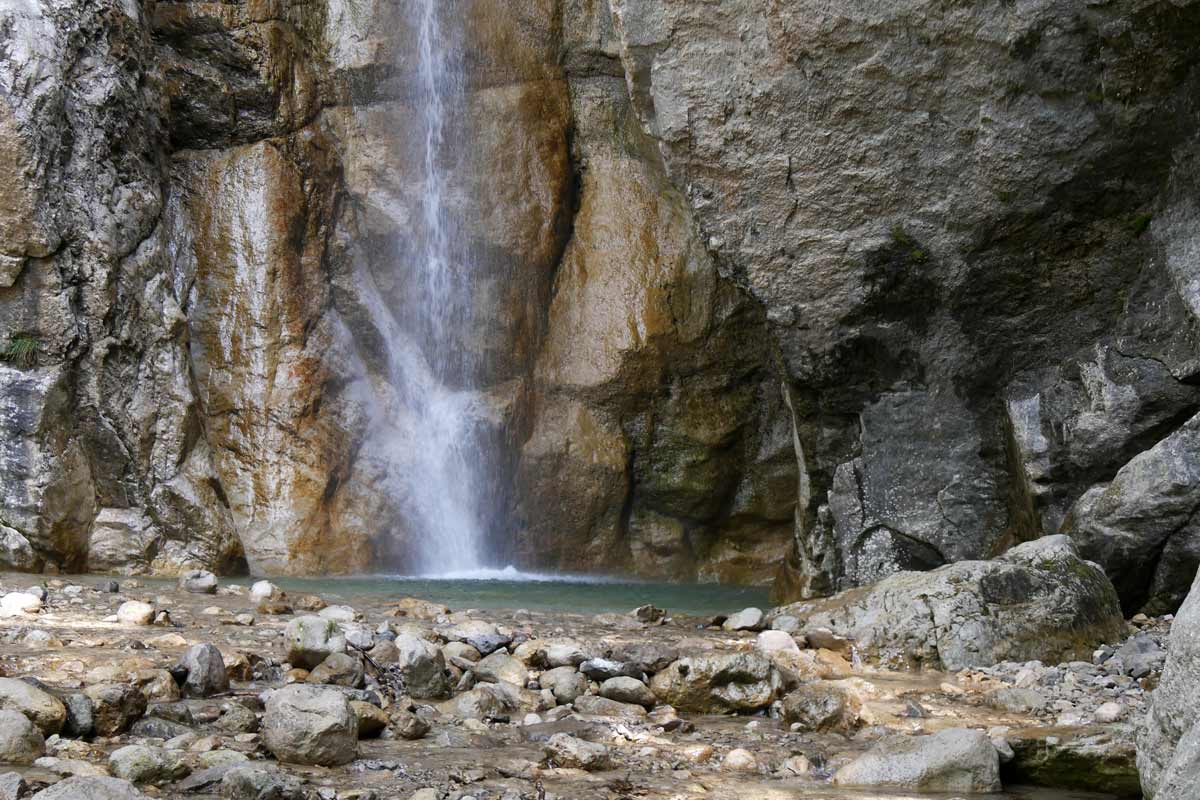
{"points": [[117, 689]]}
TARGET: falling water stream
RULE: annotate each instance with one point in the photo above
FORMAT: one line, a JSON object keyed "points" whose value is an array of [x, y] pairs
{"points": [[444, 480]]}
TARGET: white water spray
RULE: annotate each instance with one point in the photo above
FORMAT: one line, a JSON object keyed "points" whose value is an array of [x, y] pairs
{"points": [[443, 483]]}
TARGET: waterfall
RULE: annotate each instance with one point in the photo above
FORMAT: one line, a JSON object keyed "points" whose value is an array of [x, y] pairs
{"points": [[443, 480]]}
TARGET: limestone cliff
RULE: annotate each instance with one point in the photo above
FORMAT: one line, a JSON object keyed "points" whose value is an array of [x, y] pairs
{"points": [[769, 291]]}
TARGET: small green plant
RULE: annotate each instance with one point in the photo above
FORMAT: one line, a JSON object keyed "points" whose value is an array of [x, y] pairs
{"points": [[21, 350], [906, 242], [1140, 223]]}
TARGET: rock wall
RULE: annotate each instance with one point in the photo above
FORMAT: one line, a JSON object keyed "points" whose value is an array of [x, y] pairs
{"points": [[802, 293]]}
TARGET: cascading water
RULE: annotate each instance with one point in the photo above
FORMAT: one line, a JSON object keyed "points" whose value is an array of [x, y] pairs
{"points": [[443, 483]]}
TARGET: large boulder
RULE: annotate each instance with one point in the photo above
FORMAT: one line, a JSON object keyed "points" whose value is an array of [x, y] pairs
{"points": [[423, 667], [20, 740], [1143, 527], [310, 725], [205, 669], [718, 683], [88, 787], [310, 640], [42, 708], [1039, 601], [952, 760], [1168, 752]]}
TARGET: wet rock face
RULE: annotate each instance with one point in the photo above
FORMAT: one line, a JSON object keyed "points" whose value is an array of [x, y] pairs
{"points": [[765, 291]]}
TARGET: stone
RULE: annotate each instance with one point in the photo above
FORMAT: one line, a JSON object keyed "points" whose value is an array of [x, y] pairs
{"points": [[20, 740], [141, 764], [310, 640], [236, 718], [80, 722], [748, 619], [310, 725], [91, 788], [775, 641], [1038, 601], [261, 782], [1017, 701], [265, 590], [739, 760], [951, 760], [116, 706], [372, 720], [204, 667], [628, 690], [566, 683], [423, 667], [483, 636], [41, 708], [19, 604], [501, 667], [1108, 712], [1081, 759], [554, 653], [409, 726], [718, 683], [493, 701], [601, 669], [12, 786], [134, 612], [1142, 527], [339, 613], [822, 707], [339, 669], [198, 581], [589, 705], [564, 750]]}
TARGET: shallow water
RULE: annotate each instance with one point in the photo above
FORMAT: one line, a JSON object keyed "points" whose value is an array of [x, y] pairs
{"points": [[577, 594]]}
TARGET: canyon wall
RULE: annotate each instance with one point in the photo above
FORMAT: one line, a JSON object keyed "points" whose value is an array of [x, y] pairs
{"points": [[793, 293]]}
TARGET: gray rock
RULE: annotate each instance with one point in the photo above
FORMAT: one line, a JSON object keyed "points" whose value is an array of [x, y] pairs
{"points": [[258, 782], [310, 640], [12, 786], [601, 669], [821, 707], [566, 683], [718, 683], [155, 728], [952, 760], [310, 725], [554, 653], [1143, 528], [501, 667], [590, 705], [91, 788], [341, 669], [1039, 601], [141, 764], [135, 612], [81, 715], [1168, 742], [205, 669], [564, 750], [423, 667], [483, 636], [198, 581], [20, 740], [628, 690], [16, 554], [493, 701], [115, 707], [748, 619], [236, 718], [43, 709]]}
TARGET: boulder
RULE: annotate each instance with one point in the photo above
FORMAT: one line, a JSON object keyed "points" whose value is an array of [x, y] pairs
{"points": [[1096, 759], [115, 707], [483, 636], [12, 786], [310, 725], [135, 612], [310, 640], [20, 740], [822, 706], [565, 683], [564, 750], [205, 669], [91, 787], [1143, 527], [372, 719], [739, 760], [81, 714], [774, 641], [628, 690], [338, 669], [264, 590], [554, 653], [198, 581], [423, 667], [1168, 747], [501, 667], [716, 683], [493, 701], [261, 782], [141, 764], [590, 705], [41, 708], [1039, 601], [19, 604], [748, 619], [16, 554], [952, 760]]}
